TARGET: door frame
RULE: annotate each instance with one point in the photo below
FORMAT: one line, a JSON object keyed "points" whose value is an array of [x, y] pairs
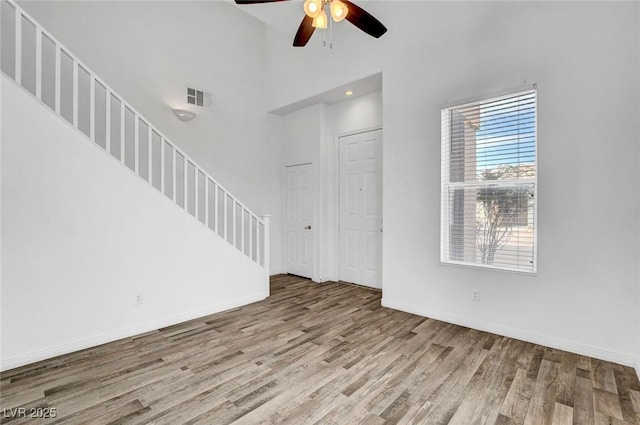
{"points": [[284, 242], [337, 194]]}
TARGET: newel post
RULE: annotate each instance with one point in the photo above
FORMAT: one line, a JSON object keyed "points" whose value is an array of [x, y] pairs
{"points": [[265, 220]]}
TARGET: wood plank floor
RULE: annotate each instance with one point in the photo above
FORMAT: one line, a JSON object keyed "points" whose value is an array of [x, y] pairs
{"points": [[321, 353]]}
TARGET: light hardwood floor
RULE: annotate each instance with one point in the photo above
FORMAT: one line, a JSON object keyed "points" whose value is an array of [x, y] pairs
{"points": [[322, 353]]}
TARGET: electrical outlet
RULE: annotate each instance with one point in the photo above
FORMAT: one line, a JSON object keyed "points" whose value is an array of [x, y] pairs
{"points": [[476, 295], [139, 299]]}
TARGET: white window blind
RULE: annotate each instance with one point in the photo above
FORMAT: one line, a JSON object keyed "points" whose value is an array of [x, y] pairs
{"points": [[489, 191]]}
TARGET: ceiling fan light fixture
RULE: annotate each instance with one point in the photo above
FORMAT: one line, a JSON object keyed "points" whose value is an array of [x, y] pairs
{"points": [[321, 20], [313, 8], [338, 10], [316, 17]]}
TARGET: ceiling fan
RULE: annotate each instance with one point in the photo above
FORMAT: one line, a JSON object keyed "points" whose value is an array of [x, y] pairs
{"points": [[316, 17]]}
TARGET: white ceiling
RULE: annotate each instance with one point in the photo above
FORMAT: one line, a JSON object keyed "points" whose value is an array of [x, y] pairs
{"points": [[359, 88], [283, 16]]}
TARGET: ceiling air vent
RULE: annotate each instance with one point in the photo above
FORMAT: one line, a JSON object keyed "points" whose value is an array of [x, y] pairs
{"points": [[200, 98]]}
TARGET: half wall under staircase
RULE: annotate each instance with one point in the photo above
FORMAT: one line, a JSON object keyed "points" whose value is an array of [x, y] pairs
{"points": [[108, 228]]}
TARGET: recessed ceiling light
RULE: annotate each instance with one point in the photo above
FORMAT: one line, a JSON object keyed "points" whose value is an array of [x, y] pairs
{"points": [[348, 93]]}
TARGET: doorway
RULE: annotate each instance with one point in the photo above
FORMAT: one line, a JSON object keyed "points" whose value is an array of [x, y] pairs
{"points": [[298, 212], [360, 208]]}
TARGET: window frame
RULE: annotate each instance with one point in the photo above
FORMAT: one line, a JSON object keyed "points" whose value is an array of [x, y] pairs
{"points": [[446, 184]]}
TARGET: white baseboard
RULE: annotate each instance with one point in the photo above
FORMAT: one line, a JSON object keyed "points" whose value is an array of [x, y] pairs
{"points": [[127, 332], [548, 341], [328, 278]]}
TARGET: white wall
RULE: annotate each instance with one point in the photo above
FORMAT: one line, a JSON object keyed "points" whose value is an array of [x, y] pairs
{"points": [[353, 115], [148, 52], [310, 136], [303, 132], [82, 236], [360, 113], [584, 57]]}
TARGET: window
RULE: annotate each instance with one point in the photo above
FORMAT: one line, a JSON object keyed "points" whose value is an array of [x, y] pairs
{"points": [[489, 174]]}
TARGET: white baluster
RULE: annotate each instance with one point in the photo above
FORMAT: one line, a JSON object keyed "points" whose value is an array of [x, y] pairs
{"points": [[136, 144], [74, 97], [250, 235], [173, 172], [225, 216], [195, 191], [233, 223], [58, 78], [162, 170], [150, 153], [108, 120], [206, 200], [242, 230], [18, 64], [185, 183], [122, 150], [39, 63], [92, 108], [265, 265], [216, 210]]}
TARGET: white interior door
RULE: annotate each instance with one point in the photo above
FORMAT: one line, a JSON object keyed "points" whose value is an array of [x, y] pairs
{"points": [[361, 208], [299, 220]]}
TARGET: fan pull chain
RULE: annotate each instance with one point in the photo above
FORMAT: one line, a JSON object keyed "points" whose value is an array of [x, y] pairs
{"points": [[324, 38], [330, 33]]}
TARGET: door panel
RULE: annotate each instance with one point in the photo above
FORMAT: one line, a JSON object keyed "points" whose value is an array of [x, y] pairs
{"points": [[371, 251], [299, 220], [360, 169], [371, 195], [352, 249]]}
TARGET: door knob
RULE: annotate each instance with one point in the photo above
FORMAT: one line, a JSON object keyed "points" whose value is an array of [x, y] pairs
{"points": [[308, 227]]}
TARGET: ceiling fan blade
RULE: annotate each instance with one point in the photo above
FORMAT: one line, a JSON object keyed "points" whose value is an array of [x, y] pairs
{"points": [[305, 31], [256, 1], [364, 20]]}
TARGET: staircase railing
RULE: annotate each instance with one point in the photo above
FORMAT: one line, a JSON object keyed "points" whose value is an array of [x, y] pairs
{"points": [[39, 63]]}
